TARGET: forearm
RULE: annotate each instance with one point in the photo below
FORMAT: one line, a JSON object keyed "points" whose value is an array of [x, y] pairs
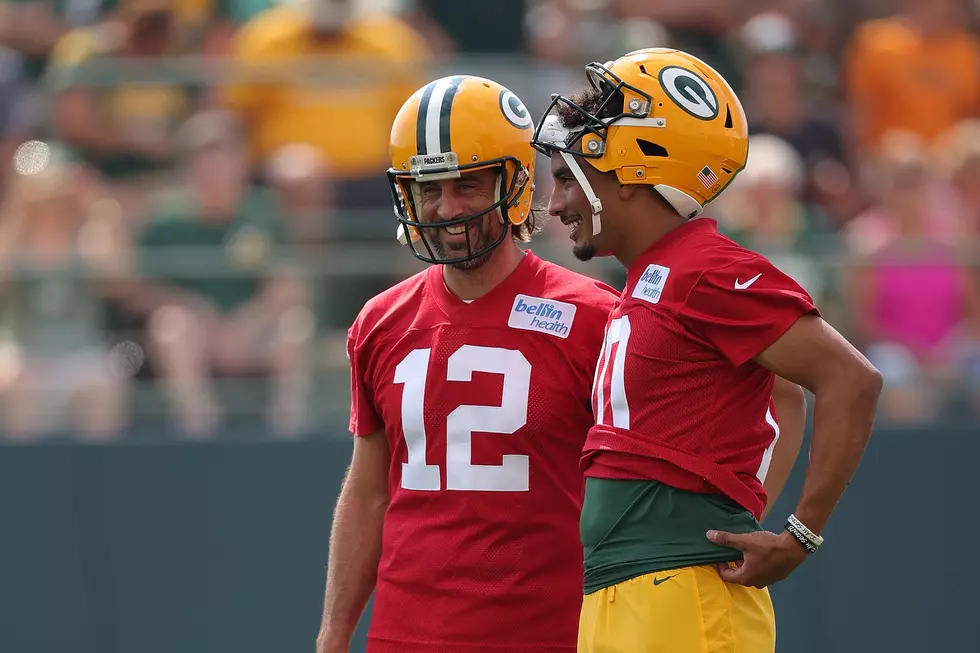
{"points": [[352, 569], [842, 420]]}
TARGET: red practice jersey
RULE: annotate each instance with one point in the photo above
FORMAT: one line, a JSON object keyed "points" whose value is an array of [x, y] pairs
{"points": [[677, 396], [486, 406]]}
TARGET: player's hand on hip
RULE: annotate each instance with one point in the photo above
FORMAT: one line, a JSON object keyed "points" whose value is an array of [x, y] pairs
{"points": [[767, 558]]}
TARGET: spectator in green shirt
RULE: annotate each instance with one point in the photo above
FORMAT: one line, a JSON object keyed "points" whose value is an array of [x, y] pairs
{"points": [[219, 282], [60, 255]]}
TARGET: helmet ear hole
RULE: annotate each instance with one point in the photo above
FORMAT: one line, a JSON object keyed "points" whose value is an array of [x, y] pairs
{"points": [[651, 149], [410, 194]]}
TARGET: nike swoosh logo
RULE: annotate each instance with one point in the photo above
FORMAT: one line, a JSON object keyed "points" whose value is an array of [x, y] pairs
{"points": [[743, 286], [658, 581]]}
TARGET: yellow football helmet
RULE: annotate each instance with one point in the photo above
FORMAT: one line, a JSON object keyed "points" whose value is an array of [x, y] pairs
{"points": [[452, 126], [667, 119]]}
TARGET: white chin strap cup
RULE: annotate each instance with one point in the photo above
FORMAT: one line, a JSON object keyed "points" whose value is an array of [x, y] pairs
{"points": [[587, 189], [552, 132]]}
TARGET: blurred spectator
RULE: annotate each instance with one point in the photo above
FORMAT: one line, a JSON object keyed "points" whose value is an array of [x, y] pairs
{"points": [[764, 210], [958, 151], [124, 127], [816, 30], [917, 72], [775, 103], [450, 27], [208, 27], [33, 27], [570, 33], [912, 300], [59, 247], [701, 27], [312, 72], [15, 123], [28, 31], [304, 182], [941, 219], [220, 283]]}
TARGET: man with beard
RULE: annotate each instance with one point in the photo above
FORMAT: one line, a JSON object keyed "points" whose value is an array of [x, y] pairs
{"points": [[677, 470], [469, 402]]}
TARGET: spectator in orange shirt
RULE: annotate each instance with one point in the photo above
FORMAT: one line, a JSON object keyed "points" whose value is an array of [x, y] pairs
{"points": [[917, 72], [315, 73]]}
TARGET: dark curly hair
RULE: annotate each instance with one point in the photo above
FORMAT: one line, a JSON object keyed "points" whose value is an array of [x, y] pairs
{"points": [[591, 101]]}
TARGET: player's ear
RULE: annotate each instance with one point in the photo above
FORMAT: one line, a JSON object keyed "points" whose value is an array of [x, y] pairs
{"points": [[627, 191]]}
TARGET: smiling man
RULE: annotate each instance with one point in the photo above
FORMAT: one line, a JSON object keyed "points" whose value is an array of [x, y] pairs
{"points": [[469, 402], [687, 423]]}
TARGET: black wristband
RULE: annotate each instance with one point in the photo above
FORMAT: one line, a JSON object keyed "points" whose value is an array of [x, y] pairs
{"points": [[801, 538]]}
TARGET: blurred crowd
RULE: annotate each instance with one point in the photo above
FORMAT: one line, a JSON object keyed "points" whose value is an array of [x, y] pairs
{"points": [[193, 206]]}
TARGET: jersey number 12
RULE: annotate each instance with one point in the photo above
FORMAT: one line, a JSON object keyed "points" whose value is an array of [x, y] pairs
{"points": [[461, 474]]}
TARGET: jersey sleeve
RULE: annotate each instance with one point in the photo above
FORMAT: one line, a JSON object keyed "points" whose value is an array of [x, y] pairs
{"points": [[743, 307], [364, 418]]}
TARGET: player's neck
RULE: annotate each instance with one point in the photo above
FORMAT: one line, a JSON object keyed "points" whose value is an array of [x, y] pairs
{"points": [[473, 284], [643, 232]]}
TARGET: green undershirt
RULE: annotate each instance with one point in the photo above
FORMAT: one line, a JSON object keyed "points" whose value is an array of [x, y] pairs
{"points": [[631, 528]]}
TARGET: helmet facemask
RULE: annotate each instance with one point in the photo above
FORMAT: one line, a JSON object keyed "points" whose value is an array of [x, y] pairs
{"points": [[551, 138], [422, 237], [620, 105], [615, 106]]}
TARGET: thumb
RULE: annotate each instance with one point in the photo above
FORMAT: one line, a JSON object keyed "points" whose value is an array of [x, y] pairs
{"points": [[731, 574], [724, 538]]}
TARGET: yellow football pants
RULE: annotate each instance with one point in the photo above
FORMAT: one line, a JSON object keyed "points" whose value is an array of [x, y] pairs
{"points": [[689, 610]]}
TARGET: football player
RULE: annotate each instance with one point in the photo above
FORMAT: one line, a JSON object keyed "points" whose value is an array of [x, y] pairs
{"points": [[675, 557], [470, 402]]}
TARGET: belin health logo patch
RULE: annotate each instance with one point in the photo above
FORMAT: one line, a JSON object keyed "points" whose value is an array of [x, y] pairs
{"points": [[540, 314], [651, 283]]}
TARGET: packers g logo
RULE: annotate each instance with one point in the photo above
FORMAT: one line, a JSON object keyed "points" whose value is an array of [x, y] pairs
{"points": [[514, 110], [689, 92]]}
